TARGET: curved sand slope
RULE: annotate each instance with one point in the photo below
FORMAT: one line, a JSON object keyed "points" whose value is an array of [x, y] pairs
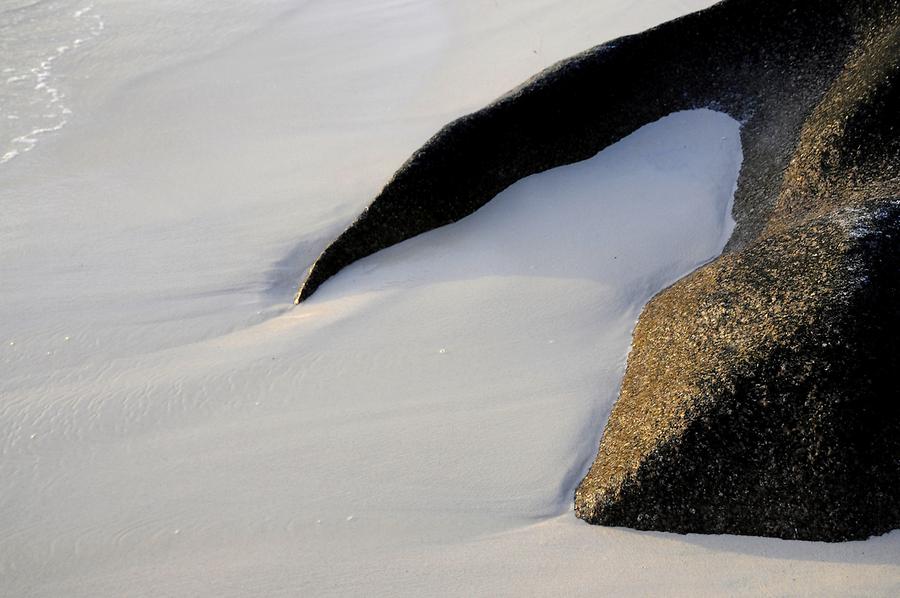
{"points": [[815, 85]]}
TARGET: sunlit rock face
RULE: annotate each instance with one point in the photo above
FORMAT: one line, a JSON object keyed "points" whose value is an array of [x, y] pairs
{"points": [[757, 397]]}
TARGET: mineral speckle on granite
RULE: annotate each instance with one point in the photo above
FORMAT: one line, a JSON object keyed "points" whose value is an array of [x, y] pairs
{"points": [[758, 396]]}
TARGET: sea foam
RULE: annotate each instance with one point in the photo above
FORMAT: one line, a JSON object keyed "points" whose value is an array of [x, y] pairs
{"points": [[34, 36]]}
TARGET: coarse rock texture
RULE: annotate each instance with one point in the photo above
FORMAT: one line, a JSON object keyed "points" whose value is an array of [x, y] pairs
{"points": [[757, 397]]}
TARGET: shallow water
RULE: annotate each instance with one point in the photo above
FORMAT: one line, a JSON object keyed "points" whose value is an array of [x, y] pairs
{"points": [[34, 36]]}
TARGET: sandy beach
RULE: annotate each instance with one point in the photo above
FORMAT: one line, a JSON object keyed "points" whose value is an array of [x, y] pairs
{"points": [[171, 425]]}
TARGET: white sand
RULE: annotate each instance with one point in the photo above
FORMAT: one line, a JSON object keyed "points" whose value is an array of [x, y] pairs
{"points": [[171, 426]]}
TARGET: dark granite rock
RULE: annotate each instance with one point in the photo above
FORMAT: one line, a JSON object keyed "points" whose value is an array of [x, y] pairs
{"points": [[760, 395], [757, 397]]}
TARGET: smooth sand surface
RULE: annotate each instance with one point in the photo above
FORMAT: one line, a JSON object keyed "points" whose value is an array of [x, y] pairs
{"points": [[171, 426]]}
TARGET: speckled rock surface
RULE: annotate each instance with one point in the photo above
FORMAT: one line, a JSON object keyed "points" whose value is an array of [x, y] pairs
{"points": [[758, 396]]}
